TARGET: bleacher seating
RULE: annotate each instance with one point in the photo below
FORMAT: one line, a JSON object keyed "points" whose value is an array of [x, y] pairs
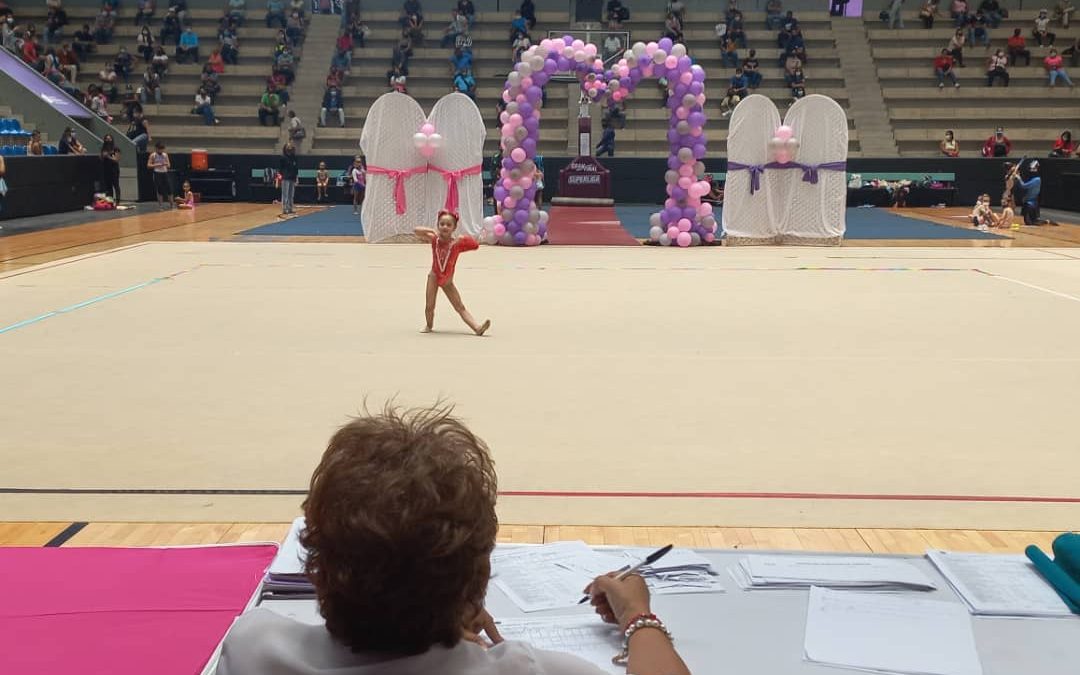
{"points": [[1032, 114]]}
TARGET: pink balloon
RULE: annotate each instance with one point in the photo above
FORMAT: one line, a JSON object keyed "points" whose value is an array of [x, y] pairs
{"points": [[671, 61], [509, 202], [706, 209], [532, 240], [710, 237], [673, 232], [686, 78], [668, 203], [784, 132], [685, 182], [428, 129], [526, 82], [682, 113], [590, 49], [427, 150], [683, 239], [526, 182], [701, 99], [683, 225], [651, 48], [516, 120], [783, 157], [696, 131], [618, 95], [508, 183], [507, 130], [686, 170], [504, 117], [499, 229], [518, 155]]}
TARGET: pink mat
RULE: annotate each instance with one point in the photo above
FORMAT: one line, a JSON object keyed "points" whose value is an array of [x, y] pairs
{"points": [[121, 610]]}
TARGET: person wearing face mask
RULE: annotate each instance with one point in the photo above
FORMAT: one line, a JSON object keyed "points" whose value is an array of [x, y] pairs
{"points": [[289, 167]]}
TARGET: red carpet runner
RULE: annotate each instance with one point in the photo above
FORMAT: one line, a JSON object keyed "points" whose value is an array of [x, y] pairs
{"points": [[587, 226]]}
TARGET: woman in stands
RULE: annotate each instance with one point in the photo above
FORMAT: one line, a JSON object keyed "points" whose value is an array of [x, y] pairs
{"points": [[950, 147], [956, 47], [110, 167], [35, 148], [145, 43]]}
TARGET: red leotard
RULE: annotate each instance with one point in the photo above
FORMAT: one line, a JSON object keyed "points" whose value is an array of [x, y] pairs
{"points": [[444, 256]]}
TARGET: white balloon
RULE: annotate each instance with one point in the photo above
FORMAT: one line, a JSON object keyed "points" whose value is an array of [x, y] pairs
{"points": [[658, 56], [664, 239], [638, 49], [544, 217], [568, 52], [419, 139], [435, 140], [678, 49], [655, 231]]}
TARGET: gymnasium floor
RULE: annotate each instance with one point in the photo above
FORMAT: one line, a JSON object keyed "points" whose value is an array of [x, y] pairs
{"points": [[804, 398]]}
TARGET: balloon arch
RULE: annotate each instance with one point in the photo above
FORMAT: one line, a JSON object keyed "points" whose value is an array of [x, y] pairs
{"points": [[685, 220]]}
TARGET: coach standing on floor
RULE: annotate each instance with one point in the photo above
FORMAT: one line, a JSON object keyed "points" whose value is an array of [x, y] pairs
{"points": [[289, 168]]}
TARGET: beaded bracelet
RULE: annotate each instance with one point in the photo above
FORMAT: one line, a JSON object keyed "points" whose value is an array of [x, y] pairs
{"points": [[637, 623]]}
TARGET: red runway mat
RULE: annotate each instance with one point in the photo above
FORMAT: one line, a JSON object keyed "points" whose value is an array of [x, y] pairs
{"points": [[587, 226]]}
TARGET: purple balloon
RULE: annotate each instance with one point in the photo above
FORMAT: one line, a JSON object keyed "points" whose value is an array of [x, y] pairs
{"points": [[563, 64], [699, 151], [696, 88], [522, 217], [685, 63], [689, 213], [512, 225], [540, 78], [666, 44], [532, 124], [533, 93], [664, 218], [678, 194], [530, 147], [696, 119], [608, 75], [500, 193], [673, 213], [519, 238], [625, 82], [508, 163], [568, 39], [526, 110], [699, 75], [672, 163], [551, 65], [672, 136]]}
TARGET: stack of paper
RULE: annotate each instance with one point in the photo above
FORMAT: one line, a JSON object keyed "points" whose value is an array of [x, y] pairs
{"points": [[285, 578], [999, 585], [763, 571], [889, 633], [584, 636], [680, 571]]}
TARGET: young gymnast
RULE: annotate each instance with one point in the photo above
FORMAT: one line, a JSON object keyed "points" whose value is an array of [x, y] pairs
{"points": [[1005, 220], [981, 215], [445, 249], [188, 200], [322, 182], [358, 177]]}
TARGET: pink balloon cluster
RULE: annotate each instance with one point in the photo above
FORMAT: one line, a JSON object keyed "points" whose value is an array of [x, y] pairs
{"points": [[685, 219], [783, 145], [427, 140]]}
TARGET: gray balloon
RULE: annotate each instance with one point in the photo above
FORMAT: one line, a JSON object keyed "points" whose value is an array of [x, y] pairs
{"points": [[683, 127], [515, 175], [695, 239], [699, 169], [517, 192], [665, 240], [654, 220], [511, 107], [689, 101], [671, 177], [509, 143], [521, 133]]}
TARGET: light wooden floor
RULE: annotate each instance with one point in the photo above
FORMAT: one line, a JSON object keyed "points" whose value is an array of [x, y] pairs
{"points": [[224, 221], [837, 540]]}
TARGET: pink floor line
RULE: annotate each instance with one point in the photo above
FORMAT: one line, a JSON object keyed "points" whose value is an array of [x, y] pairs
{"points": [[789, 495]]}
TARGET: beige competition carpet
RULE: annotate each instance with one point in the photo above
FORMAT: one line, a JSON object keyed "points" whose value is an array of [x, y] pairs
{"points": [[861, 387]]}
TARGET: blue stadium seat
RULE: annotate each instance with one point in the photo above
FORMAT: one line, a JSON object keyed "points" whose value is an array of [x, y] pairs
{"points": [[51, 150], [20, 150], [6, 150]]}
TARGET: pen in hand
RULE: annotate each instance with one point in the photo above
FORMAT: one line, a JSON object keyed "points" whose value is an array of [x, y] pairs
{"points": [[625, 572]]}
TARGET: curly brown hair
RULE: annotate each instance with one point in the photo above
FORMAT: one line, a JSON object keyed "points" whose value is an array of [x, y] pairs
{"points": [[400, 526]]}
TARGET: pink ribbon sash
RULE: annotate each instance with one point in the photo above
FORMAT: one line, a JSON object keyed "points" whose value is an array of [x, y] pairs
{"points": [[452, 178], [398, 176]]}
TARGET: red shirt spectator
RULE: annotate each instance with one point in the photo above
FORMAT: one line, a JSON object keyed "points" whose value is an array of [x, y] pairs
{"points": [[1063, 146], [1053, 62], [1016, 42], [943, 62], [997, 145], [29, 51], [345, 43]]}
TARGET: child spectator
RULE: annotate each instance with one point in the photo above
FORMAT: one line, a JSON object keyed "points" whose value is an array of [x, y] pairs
{"points": [[270, 107], [1055, 67], [949, 145], [996, 68], [997, 145], [322, 182]]}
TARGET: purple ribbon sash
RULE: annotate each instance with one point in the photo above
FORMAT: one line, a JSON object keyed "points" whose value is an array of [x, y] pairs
{"points": [[810, 171]]}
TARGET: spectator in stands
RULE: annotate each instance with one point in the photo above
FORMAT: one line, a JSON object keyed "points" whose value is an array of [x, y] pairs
{"points": [[69, 61], [399, 58], [204, 105], [996, 68], [678, 8], [188, 47], [956, 47], [736, 29], [774, 14], [1064, 145], [673, 27], [289, 168], [895, 14], [144, 43], [170, 28], [617, 14], [123, 64], [465, 83], [791, 64], [151, 86], [68, 144], [993, 12], [237, 11], [54, 23], [461, 61], [943, 68], [30, 51], [270, 107], [139, 130], [1016, 46], [294, 28], [798, 83], [949, 146], [528, 12], [334, 78], [34, 147], [752, 69], [104, 25], [958, 10], [521, 43], [275, 13], [1073, 52], [740, 83], [300, 7], [110, 167], [230, 48], [398, 80], [978, 30], [98, 102], [359, 30], [457, 27], [1063, 11], [1055, 67], [160, 61], [280, 85], [332, 103], [1041, 32], [83, 41], [216, 61], [607, 141], [181, 9], [144, 12], [518, 26], [928, 12], [209, 80], [297, 132], [729, 53], [997, 145]]}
